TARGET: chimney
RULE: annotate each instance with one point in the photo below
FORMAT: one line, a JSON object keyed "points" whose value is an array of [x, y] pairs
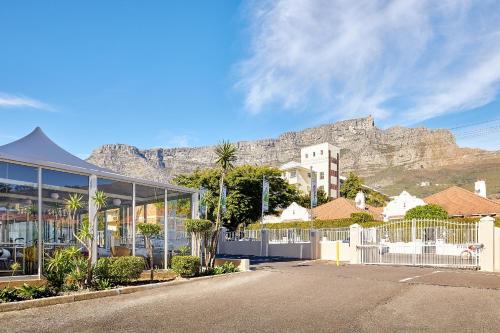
{"points": [[360, 200], [480, 188]]}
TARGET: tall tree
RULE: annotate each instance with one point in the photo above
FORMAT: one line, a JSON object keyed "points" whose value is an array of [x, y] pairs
{"points": [[244, 184], [352, 185], [226, 157]]}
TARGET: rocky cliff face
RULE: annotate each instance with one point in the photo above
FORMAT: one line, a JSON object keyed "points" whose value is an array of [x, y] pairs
{"points": [[365, 149]]}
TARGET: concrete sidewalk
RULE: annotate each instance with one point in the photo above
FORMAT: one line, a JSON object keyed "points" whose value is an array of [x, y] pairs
{"points": [[289, 296]]}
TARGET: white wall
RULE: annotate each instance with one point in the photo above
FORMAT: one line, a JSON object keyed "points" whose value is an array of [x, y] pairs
{"points": [[328, 251]]}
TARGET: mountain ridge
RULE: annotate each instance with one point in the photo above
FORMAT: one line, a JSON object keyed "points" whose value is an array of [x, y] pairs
{"points": [[365, 149]]}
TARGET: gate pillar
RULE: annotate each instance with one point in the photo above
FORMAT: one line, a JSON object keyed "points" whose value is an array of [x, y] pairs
{"points": [[355, 240], [486, 236]]}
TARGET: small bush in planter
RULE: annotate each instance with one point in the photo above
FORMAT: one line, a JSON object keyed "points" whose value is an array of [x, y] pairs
{"points": [[9, 294], [27, 291], [227, 267], [186, 266], [118, 270]]}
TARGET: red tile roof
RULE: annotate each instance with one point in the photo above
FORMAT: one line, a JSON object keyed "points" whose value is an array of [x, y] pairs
{"points": [[342, 208], [460, 202]]}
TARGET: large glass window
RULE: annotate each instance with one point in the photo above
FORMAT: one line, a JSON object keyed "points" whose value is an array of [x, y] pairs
{"points": [[115, 227], [150, 208], [18, 218], [179, 209], [65, 198]]}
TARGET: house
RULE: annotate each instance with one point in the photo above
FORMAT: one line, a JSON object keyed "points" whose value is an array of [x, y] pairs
{"points": [[399, 205], [458, 201], [294, 212], [320, 161], [342, 208]]}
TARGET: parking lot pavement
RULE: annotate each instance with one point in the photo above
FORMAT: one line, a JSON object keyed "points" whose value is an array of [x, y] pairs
{"points": [[293, 296]]}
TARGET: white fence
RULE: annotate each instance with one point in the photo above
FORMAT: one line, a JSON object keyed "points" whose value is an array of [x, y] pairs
{"points": [[335, 234], [421, 243], [284, 236]]}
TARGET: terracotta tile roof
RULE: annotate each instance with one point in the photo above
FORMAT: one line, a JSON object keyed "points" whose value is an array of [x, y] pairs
{"points": [[458, 201], [342, 208]]}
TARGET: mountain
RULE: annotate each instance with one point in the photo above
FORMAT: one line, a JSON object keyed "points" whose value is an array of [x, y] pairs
{"points": [[390, 159]]}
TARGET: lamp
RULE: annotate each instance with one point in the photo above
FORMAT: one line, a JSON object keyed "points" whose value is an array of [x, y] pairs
{"points": [[54, 196], [117, 202]]}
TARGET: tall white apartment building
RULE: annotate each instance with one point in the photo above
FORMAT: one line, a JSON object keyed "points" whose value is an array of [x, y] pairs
{"points": [[323, 160]]}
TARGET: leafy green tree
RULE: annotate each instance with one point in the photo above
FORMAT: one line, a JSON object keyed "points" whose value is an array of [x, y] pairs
{"points": [[149, 230], [305, 199], [427, 212], [244, 185], [200, 231], [351, 186]]}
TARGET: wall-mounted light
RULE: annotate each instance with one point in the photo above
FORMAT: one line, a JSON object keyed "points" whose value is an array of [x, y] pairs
{"points": [[117, 202], [54, 196]]}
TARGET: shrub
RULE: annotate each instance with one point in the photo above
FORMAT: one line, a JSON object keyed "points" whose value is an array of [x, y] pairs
{"points": [[316, 224], [427, 212], [227, 267], [184, 250], [27, 291], [118, 270], [361, 217], [186, 266], [63, 263], [198, 226], [8, 294]]}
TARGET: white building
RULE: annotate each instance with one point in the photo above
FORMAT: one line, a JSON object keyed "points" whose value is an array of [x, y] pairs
{"points": [[399, 205], [294, 212], [323, 160]]}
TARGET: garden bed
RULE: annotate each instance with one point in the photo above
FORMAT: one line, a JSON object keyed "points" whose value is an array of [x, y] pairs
{"points": [[86, 294]]}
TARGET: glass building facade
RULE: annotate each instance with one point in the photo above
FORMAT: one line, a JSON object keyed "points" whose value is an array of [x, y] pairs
{"points": [[51, 205], [46, 196]]}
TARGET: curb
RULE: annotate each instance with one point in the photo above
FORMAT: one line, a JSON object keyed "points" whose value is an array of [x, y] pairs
{"points": [[43, 302]]}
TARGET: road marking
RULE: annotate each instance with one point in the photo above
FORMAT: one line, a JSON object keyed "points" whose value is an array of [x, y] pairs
{"points": [[417, 276]]}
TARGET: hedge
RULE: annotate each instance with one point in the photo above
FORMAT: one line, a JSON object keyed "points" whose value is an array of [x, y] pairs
{"points": [[118, 270], [186, 266], [343, 223], [316, 224]]}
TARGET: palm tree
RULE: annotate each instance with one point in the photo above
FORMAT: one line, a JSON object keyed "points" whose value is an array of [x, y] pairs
{"points": [[73, 204], [86, 234], [226, 156]]}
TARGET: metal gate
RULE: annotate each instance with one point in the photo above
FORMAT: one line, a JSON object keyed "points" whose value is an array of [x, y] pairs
{"points": [[421, 243]]}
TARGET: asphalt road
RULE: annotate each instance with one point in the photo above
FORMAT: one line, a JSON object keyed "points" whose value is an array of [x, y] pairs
{"points": [[289, 297]]}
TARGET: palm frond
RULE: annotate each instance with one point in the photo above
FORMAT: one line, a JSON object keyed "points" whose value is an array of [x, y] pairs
{"points": [[226, 155]]}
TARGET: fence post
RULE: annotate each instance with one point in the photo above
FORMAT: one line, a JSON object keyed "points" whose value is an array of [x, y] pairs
{"points": [[486, 237], [222, 240], [355, 240], [313, 238], [264, 242]]}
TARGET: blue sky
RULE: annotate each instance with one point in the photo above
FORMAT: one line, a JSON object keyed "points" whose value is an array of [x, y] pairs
{"points": [[190, 73]]}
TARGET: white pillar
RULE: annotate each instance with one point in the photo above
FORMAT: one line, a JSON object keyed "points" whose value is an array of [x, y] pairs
{"points": [[40, 225], [264, 242], [195, 210], [93, 215], [222, 240], [355, 240], [486, 237], [165, 218], [133, 219]]}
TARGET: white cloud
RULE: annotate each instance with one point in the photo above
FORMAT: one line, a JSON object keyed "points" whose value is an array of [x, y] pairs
{"points": [[399, 60], [7, 100], [167, 138]]}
